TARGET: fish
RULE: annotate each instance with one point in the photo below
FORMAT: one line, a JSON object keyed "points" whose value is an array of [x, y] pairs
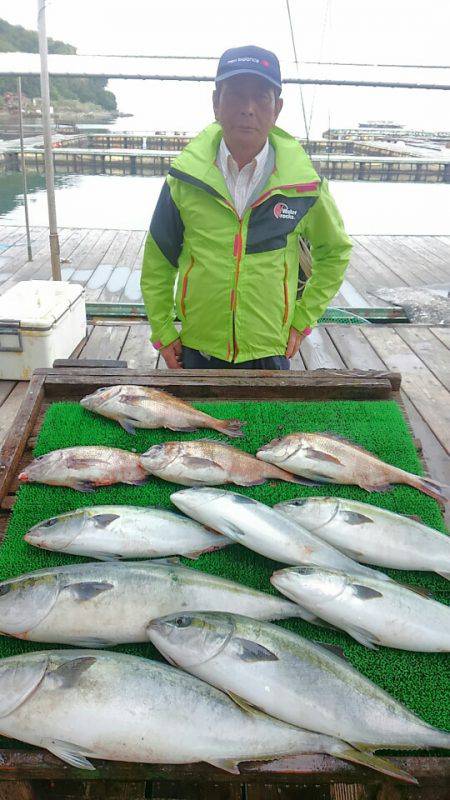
{"points": [[107, 603], [373, 612], [143, 407], [372, 535], [85, 468], [293, 679], [83, 705], [332, 459], [206, 462], [262, 529], [115, 532]]}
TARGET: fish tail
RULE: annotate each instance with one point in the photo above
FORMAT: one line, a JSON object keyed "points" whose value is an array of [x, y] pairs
{"points": [[427, 485], [368, 759], [230, 427]]}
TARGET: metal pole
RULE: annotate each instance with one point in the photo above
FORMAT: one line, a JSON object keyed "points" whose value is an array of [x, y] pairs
{"points": [[24, 172], [48, 154]]}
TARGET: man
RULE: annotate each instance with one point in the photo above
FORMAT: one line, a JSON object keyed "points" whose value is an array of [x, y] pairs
{"points": [[227, 227]]}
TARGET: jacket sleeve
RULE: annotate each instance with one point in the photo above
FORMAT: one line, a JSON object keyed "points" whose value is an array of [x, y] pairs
{"points": [[159, 267], [330, 254]]}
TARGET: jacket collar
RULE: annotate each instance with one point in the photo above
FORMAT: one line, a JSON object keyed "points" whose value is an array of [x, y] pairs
{"points": [[292, 165]]}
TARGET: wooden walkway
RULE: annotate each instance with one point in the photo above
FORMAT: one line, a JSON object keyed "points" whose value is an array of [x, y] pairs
{"points": [[108, 262]]}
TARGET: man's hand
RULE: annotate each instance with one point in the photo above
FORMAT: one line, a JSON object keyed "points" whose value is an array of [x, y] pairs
{"points": [[295, 339], [172, 355]]}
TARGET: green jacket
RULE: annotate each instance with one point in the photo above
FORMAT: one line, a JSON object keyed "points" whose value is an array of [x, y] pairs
{"points": [[236, 292]]}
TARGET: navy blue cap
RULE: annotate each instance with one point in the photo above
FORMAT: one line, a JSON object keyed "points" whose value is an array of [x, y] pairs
{"points": [[249, 60]]}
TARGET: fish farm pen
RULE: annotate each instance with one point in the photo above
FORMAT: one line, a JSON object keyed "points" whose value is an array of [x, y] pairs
{"points": [[152, 154]]}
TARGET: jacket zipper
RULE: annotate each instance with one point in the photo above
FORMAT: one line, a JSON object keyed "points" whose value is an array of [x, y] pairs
{"points": [[237, 252], [184, 288]]}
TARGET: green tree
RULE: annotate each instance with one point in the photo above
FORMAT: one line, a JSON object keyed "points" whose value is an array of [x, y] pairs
{"points": [[14, 38]]}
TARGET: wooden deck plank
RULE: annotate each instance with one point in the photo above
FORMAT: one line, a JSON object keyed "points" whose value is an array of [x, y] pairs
{"points": [[105, 341], [40, 266], [402, 263], [10, 408], [439, 245], [373, 271], [106, 268], [132, 248], [434, 354], [443, 334], [319, 352], [353, 348], [436, 267], [93, 255], [115, 286], [424, 390], [6, 388], [137, 350]]}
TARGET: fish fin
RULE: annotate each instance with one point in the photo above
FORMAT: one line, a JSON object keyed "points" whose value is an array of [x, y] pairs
{"points": [[68, 752], [103, 520], [87, 590], [375, 487], [345, 440], [365, 592], [138, 482], [363, 637], [354, 518], [130, 400], [420, 590], [196, 461], [227, 764], [430, 487], [244, 704], [92, 642], [127, 425], [256, 482], [66, 676], [82, 486], [100, 556], [319, 455], [368, 759], [80, 462], [194, 554], [308, 616], [333, 648], [230, 427], [167, 560], [414, 517], [445, 575], [252, 651], [182, 428]]}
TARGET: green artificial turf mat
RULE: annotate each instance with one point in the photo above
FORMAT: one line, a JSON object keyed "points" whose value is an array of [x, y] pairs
{"points": [[420, 680]]}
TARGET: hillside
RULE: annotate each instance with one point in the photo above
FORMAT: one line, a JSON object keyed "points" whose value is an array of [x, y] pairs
{"points": [[63, 91]]}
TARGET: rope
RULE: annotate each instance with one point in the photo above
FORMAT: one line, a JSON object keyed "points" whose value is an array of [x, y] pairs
{"points": [[305, 122]]}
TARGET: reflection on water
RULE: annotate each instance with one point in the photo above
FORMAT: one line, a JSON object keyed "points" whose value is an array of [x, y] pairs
{"points": [[116, 201]]}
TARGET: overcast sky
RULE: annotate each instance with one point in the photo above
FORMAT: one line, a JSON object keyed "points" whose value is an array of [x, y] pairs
{"points": [[377, 31]]}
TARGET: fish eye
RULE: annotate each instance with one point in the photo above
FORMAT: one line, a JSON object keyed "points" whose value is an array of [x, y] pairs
{"points": [[183, 622], [49, 523], [5, 589]]}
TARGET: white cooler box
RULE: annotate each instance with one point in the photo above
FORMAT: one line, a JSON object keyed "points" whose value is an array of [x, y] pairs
{"points": [[39, 321]]}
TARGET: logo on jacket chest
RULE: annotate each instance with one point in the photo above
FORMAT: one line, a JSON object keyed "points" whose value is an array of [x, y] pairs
{"points": [[282, 211]]}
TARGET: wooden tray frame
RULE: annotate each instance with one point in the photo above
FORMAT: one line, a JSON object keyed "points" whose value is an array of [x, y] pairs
{"points": [[71, 383]]}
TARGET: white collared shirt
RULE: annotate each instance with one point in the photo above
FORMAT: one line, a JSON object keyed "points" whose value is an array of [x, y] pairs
{"points": [[241, 183]]}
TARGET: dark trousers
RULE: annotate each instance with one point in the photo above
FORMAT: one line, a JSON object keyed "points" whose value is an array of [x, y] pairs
{"points": [[193, 359]]}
